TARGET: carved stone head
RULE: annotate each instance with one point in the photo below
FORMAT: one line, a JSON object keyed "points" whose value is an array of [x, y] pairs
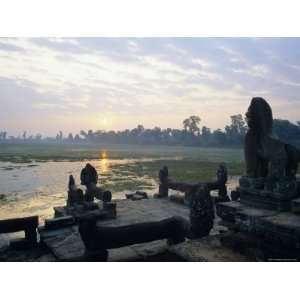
{"points": [[259, 116], [88, 175]]}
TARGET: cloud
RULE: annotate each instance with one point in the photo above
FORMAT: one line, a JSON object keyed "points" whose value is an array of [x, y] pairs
{"points": [[255, 71], [6, 47], [134, 80]]}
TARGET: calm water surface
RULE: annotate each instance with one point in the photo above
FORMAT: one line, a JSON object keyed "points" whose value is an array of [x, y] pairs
{"points": [[36, 187]]}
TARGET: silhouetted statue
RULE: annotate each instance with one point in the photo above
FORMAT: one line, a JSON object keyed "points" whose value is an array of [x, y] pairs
{"points": [[88, 175], [271, 165], [201, 211], [75, 195], [163, 190], [89, 178], [266, 156], [222, 178]]}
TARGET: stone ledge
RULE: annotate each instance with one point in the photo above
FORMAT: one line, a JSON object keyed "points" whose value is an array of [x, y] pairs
{"points": [[207, 249]]}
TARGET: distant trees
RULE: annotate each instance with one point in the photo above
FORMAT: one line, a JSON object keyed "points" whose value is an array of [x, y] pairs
{"points": [[70, 138], [287, 131], [190, 134], [59, 136], [191, 125], [38, 137], [3, 135], [219, 138], [235, 132]]}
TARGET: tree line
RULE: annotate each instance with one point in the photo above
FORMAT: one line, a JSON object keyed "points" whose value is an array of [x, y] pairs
{"points": [[191, 134]]}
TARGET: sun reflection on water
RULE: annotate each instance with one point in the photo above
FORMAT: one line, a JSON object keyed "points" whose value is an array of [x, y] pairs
{"points": [[104, 164]]}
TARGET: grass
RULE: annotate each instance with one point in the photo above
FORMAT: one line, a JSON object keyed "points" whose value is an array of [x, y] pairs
{"points": [[188, 164], [28, 152], [184, 170]]}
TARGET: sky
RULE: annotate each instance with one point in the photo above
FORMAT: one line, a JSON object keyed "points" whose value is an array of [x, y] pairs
{"points": [[69, 84]]}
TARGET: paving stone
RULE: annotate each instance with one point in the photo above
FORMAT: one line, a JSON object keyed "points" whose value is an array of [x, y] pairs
{"points": [[65, 244], [149, 249], [295, 206], [206, 249], [123, 254], [4, 242]]}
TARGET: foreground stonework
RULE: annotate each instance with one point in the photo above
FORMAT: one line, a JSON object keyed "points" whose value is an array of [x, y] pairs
{"points": [[65, 244]]}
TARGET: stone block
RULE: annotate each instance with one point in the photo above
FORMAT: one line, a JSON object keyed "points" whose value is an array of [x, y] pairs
{"points": [[227, 211], [206, 249], [177, 198], [59, 222], [295, 206]]}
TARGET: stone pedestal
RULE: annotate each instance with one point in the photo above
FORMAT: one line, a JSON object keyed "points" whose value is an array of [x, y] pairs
{"points": [[255, 192], [276, 232]]}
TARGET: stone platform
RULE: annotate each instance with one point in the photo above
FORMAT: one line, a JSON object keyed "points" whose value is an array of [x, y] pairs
{"points": [[266, 200], [207, 249], [279, 232], [65, 244]]}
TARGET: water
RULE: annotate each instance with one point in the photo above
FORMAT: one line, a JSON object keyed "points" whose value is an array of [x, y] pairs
{"points": [[36, 187]]}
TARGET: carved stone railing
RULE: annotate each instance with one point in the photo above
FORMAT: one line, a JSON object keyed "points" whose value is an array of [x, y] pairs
{"points": [[28, 224], [165, 183], [198, 198], [98, 239]]}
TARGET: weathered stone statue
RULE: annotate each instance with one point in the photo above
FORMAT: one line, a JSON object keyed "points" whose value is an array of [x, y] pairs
{"points": [[163, 190], [89, 178], [88, 175], [75, 195], [265, 155], [271, 165], [222, 178], [201, 211], [80, 203]]}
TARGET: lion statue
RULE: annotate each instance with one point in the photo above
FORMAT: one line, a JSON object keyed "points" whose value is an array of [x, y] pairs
{"points": [[266, 157]]}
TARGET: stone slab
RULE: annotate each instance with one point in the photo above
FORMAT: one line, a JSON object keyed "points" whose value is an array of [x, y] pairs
{"points": [[227, 210], [295, 206], [281, 229], [266, 200], [66, 243], [60, 222], [80, 211], [235, 210], [147, 210], [137, 252], [207, 249], [4, 242]]}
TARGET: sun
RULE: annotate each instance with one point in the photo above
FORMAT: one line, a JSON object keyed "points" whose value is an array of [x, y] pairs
{"points": [[104, 121]]}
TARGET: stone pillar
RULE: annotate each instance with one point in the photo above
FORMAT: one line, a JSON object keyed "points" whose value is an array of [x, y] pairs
{"points": [[163, 189], [201, 211]]}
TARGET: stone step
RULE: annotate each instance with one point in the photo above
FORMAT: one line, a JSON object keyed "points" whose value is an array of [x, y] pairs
{"points": [[295, 206]]}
